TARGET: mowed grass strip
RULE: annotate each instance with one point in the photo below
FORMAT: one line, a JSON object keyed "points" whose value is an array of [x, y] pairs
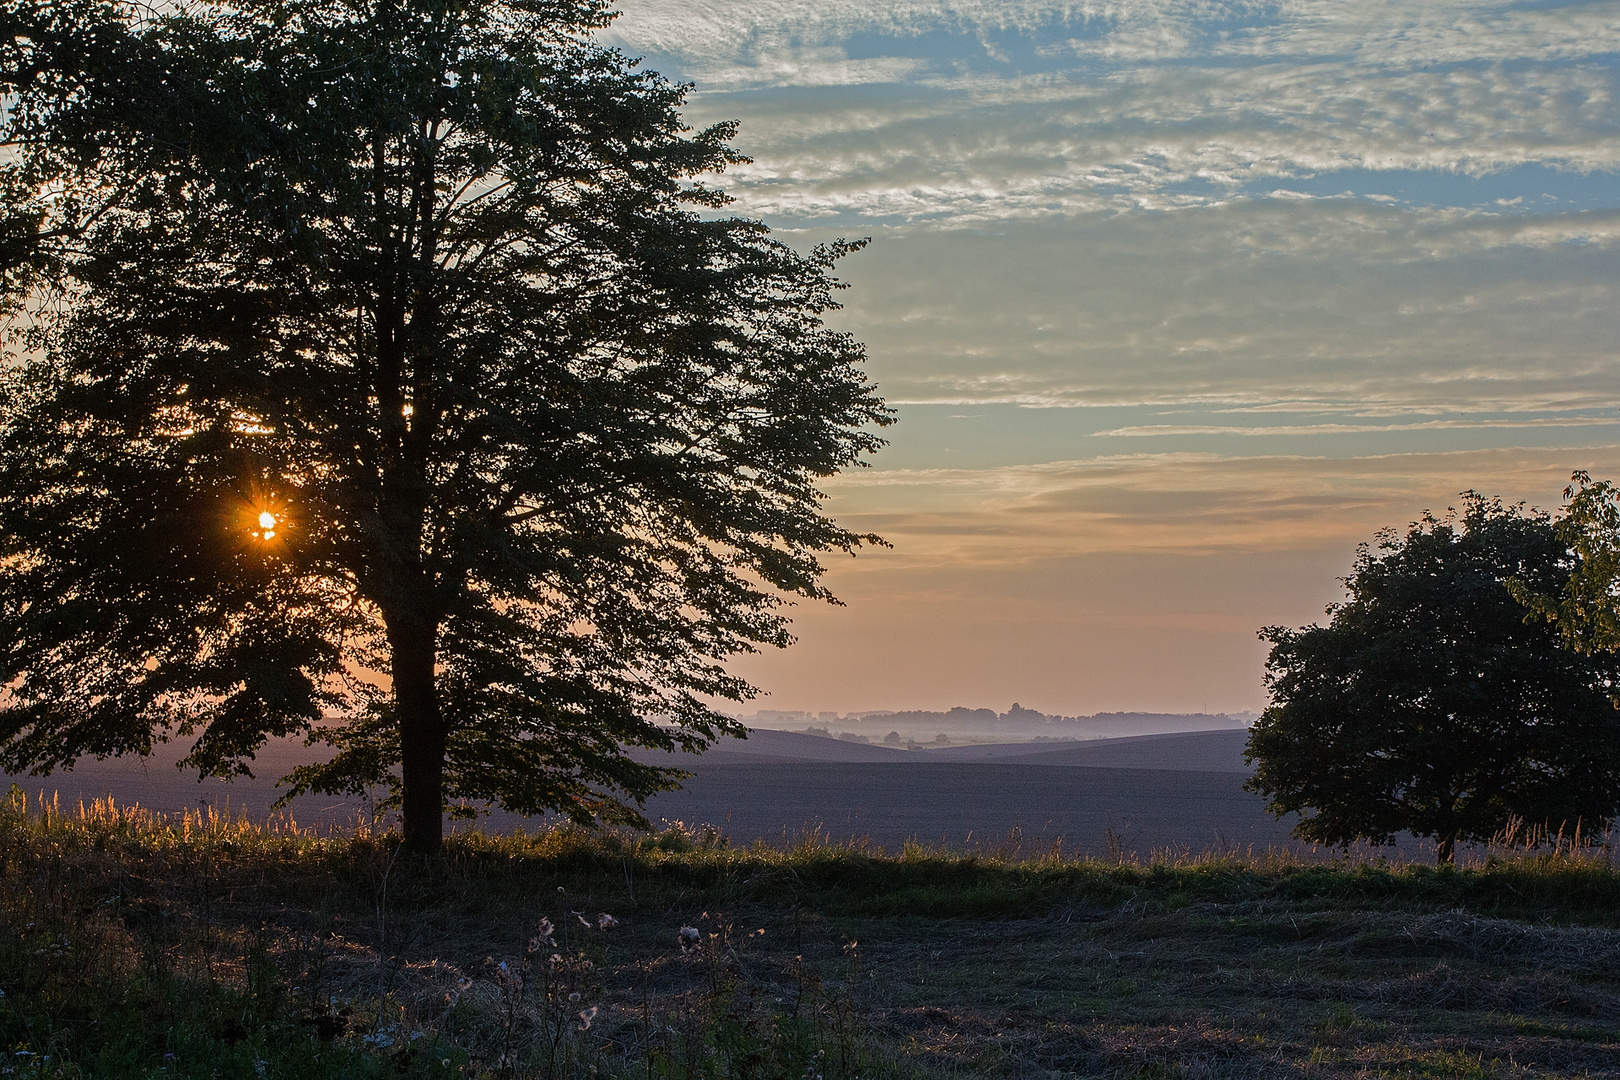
{"points": [[138, 946]]}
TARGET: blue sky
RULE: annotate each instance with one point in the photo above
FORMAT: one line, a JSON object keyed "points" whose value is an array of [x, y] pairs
{"points": [[1178, 301]]}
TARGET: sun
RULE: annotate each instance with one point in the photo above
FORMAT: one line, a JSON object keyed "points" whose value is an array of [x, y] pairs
{"points": [[263, 517], [268, 523]]}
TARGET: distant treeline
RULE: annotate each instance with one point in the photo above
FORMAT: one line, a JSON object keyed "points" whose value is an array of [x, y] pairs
{"points": [[1019, 721]]}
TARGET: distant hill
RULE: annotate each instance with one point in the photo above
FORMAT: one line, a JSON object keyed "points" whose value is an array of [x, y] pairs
{"points": [[919, 728], [1196, 751]]}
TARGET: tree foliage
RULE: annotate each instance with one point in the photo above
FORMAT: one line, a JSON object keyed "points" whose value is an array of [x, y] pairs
{"points": [[389, 361], [1586, 609], [1429, 704]]}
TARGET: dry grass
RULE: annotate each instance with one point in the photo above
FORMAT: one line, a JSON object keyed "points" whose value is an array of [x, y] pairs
{"points": [[238, 950]]}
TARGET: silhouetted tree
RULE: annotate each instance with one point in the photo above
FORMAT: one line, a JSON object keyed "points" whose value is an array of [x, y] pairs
{"points": [[1429, 704], [386, 360]]}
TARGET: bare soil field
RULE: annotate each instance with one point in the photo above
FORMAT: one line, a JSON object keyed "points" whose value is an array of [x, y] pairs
{"points": [[1180, 793], [975, 804]]}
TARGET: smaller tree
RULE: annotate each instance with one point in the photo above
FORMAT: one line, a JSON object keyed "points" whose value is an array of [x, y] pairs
{"points": [[1429, 704]]}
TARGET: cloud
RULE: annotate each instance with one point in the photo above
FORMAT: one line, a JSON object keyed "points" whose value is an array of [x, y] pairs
{"points": [[1159, 430], [1153, 139], [1391, 32], [1247, 303], [1406, 33], [1408, 204], [913, 111], [1183, 504]]}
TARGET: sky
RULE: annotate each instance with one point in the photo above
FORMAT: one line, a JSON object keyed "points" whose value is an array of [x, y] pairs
{"points": [[1177, 301]]}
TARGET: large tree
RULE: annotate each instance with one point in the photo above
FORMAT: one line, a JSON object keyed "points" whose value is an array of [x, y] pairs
{"points": [[1429, 704], [383, 369]]}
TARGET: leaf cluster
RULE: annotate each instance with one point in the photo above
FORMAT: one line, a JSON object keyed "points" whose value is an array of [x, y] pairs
{"points": [[1586, 609]]}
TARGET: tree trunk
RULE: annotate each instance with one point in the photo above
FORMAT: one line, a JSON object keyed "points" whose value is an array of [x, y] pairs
{"points": [[421, 736], [1445, 850]]}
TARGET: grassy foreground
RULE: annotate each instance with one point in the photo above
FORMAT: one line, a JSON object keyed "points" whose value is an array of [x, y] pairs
{"points": [[133, 946]]}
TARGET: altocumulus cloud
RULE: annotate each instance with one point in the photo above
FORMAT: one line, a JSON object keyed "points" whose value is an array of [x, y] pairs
{"points": [[1232, 236], [993, 109]]}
